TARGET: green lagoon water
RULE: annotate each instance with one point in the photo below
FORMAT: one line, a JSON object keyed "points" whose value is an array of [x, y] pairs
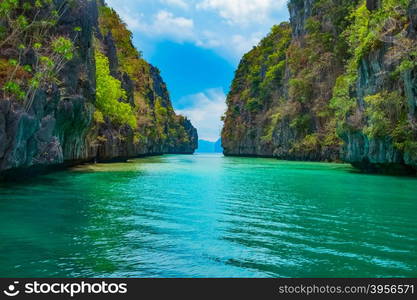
{"points": [[209, 216]]}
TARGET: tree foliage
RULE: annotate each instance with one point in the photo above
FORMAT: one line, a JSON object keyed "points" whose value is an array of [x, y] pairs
{"points": [[155, 118], [385, 112], [109, 93], [24, 30]]}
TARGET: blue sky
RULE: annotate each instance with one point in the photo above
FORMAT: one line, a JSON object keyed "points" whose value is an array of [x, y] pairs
{"points": [[197, 45]]}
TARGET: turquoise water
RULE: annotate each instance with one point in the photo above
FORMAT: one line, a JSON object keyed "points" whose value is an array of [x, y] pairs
{"points": [[209, 216]]}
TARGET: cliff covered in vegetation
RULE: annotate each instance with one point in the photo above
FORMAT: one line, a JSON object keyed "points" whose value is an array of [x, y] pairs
{"points": [[336, 83], [74, 89]]}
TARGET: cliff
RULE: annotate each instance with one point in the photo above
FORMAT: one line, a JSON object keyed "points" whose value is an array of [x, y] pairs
{"points": [[74, 89], [279, 101], [337, 83], [376, 97]]}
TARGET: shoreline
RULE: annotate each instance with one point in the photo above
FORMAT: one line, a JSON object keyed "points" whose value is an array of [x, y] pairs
{"points": [[362, 167], [24, 174]]}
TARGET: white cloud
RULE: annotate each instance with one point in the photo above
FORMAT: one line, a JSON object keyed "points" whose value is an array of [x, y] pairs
{"points": [[232, 47], [205, 111], [178, 3], [127, 5], [242, 44], [231, 29], [163, 24], [209, 39], [132, 21], [243, 11], [166, 25]]}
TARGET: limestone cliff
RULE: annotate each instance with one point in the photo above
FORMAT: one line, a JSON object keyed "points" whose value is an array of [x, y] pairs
{"points": [[337, 83], [279, 102], [159, 130], [379, 128], [49, 108]]}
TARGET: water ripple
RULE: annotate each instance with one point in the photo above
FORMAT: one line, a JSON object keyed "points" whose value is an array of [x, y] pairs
{"points": [[209, 216]]}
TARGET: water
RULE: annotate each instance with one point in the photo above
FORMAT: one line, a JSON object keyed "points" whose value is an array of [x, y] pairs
{"points": [[209, 216]]}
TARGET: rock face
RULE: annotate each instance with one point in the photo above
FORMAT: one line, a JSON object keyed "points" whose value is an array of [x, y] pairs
{"points": [[250, 117], [300, 12], [58, 126], [279, 102], [327, 87], [54, 129], [380, 130]]}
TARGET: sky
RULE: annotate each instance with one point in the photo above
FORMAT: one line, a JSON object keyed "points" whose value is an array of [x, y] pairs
{"points": [[197, 45]]}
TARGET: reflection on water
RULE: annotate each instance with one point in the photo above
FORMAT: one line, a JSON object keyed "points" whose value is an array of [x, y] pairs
{"points": [[209, 216]]}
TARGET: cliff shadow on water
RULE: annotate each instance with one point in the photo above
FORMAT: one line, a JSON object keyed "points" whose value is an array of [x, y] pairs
{"points": [[74, 89]]}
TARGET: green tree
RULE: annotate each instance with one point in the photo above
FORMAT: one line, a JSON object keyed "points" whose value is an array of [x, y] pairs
{"points": [[109, 93]]}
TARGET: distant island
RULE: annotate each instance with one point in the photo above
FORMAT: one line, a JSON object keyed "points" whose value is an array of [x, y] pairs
{"points": [[210, 147]]}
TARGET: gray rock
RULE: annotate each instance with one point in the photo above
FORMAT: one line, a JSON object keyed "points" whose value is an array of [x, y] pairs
{"points": [[58, 128]]}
